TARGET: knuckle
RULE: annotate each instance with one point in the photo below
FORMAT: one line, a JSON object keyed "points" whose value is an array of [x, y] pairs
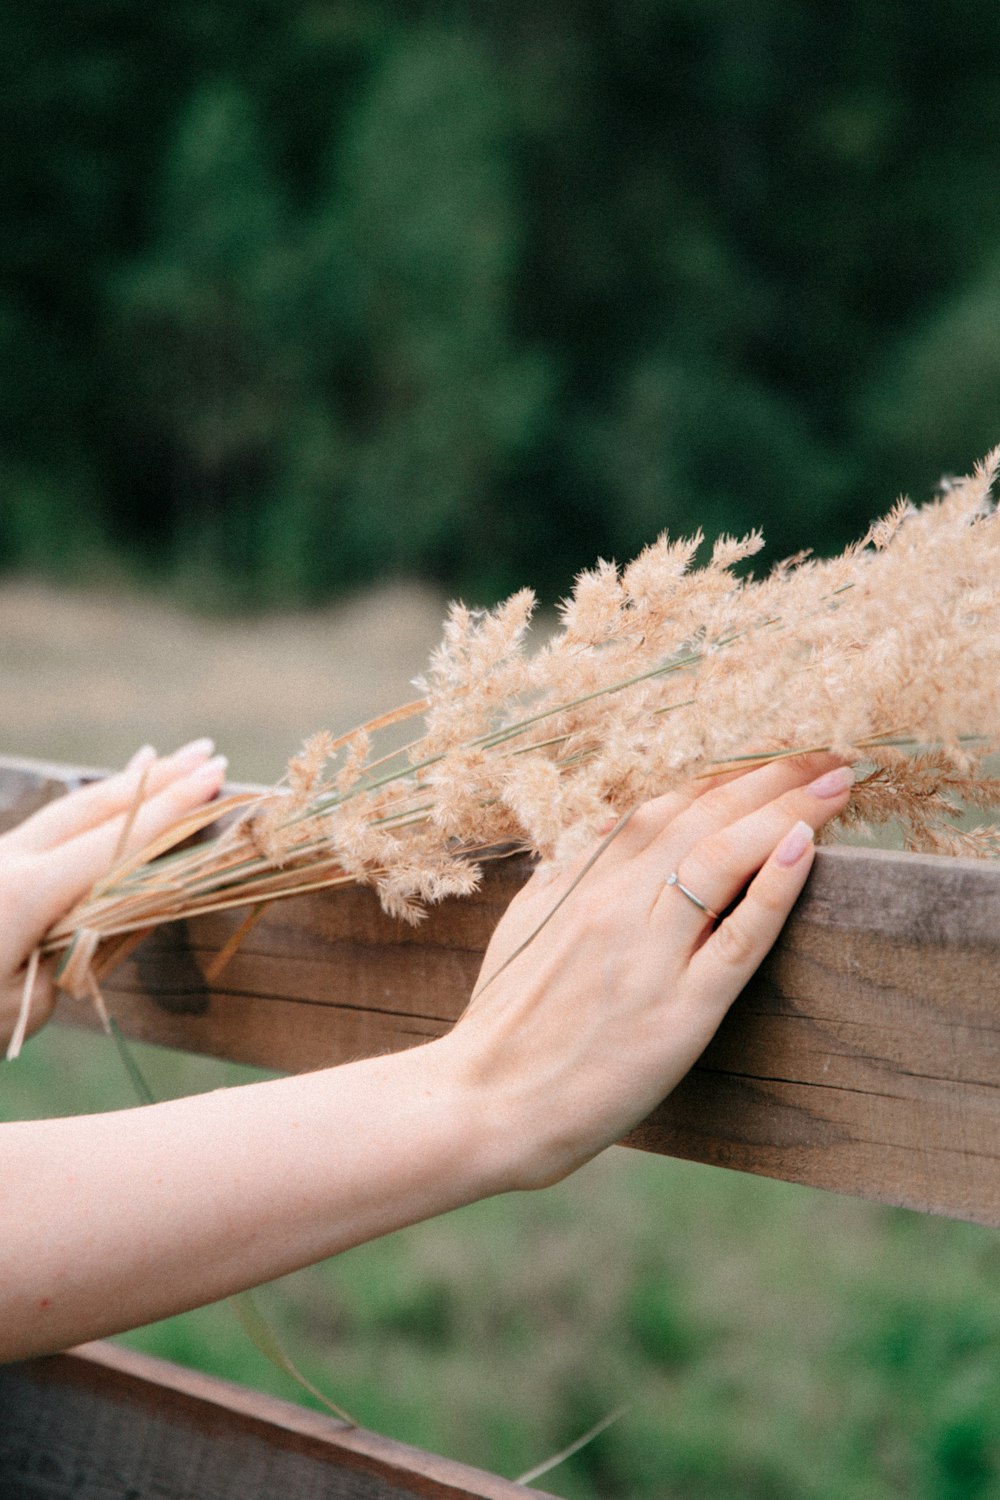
{"points": [[717, 850], [15, 888], [592, 908], [647, 821], [710, 859], [736, 942], [771, 899], [696, 822], [722, 801]]}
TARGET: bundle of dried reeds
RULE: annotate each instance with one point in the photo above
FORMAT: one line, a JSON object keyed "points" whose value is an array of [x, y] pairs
{"points": [[888, 654]]}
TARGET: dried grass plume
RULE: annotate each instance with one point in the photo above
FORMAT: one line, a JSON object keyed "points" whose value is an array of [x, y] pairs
{"points": [[665, 669]]}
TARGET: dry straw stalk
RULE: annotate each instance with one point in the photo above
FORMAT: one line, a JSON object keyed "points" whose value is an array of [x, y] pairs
{"points": [[888, 654]]}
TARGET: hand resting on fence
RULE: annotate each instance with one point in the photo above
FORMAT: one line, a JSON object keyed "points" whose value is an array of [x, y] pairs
{"points": [[600, 988]]}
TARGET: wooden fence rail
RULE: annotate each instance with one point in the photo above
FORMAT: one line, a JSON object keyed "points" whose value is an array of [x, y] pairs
{"points": [[104, 1423], [863, 1058]]}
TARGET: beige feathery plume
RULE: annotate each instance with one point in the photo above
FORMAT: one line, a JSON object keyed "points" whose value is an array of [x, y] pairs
{"points": [[889, 654]]}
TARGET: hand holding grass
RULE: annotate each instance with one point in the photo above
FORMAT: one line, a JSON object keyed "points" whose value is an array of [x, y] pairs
{"points": [[602, 984], [589, 1010], [52, 859], [663, 671]]}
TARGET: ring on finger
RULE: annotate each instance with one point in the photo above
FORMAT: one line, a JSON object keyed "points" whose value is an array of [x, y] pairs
{"points": [[673, 879]]}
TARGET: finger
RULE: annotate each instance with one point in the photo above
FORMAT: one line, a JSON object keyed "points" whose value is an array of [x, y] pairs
{"points": [[87, 808], [622, 839], [697, 806], [23, 1012], [650, 820], [66, 874], [717, 868], [745, 794], [700, 806], [726, 961]]}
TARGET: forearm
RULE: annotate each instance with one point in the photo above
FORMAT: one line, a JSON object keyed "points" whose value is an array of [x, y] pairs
{"points": [[590, 1010], [115, 1220]]}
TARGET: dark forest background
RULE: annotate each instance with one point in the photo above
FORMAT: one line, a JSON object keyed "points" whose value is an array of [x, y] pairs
{"points": [[295, 294]]}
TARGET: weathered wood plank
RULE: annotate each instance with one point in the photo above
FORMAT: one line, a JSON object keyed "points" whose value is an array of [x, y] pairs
{"points": [[104, 1421], [319, 979], [865, 1057]]}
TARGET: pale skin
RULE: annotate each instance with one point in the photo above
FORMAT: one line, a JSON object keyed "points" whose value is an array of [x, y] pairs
{"points": [[570, 1039]]}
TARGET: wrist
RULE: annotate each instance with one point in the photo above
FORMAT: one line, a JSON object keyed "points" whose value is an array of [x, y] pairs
{"points": [[475, 1144], [501, 1142]]}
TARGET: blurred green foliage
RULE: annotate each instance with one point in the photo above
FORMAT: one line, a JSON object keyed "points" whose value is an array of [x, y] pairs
{"points": [[299, 292]]}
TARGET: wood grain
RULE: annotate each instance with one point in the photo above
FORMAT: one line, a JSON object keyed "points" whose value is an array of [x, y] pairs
{"points": [[104, 1421], [864, 1058]]}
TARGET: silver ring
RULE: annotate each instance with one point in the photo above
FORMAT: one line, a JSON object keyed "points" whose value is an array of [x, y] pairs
{"points": [[672, 879]]}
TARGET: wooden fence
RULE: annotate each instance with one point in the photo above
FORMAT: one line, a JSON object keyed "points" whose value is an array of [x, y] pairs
{"points": [[863, 1058]]}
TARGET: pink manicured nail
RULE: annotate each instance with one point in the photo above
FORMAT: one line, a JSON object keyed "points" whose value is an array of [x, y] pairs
{"points": [[141, 759], [212, 769], [792, 847], [193, 754], [832, 783]]}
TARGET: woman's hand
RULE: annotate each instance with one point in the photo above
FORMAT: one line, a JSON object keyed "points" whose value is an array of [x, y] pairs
{"points": [[572, 1037], [50, 861], [586, 1016]]}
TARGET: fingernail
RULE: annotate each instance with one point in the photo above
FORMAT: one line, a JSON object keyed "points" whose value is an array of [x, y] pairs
{"points": [[832, 783], [141, 759], [792, 847], [193, 753], [212, 769]]}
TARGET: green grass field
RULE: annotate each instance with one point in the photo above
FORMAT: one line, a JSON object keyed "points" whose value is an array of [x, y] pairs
{"points": [[768, 1341]]}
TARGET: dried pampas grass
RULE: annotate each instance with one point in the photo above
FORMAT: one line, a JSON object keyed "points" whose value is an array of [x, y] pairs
{"points": [[889, 655]]}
